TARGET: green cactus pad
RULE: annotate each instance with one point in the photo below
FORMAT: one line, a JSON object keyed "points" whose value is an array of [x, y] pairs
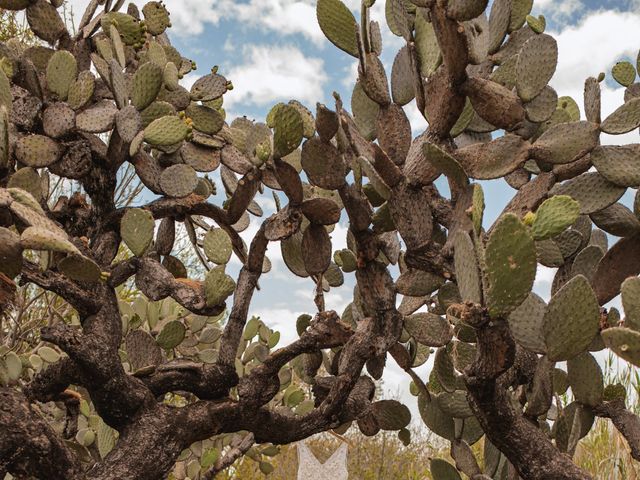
{"points": [[142, 350], [38, 238], [445, 371], [630, 291], [429, 54], [338, 24], [365, 112], [147, 82], [510, 259], [79, 268], [445, 163], [156, 17], [454, 404], [565, 142], [218, 286], [391, 414], [136, 229], [118, 83], [536, 65], [205, 119], [618, 164], [554, 216], [98, 118], [624, 119], [37, 151], [171, 76], [62, 70], [591, 190], [571, 320], [466, 266], [526, 321], [624, 73], [499, 20], [429, 329], [178, 180], [570, 106], [586, 379], [217, 246], [130, 28], [624, 342], [171, 335], [81, 90], [288, 129], [165, 131]]}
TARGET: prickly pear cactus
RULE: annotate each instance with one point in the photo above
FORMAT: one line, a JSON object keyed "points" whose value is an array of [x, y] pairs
{"points": [[146, 304]]}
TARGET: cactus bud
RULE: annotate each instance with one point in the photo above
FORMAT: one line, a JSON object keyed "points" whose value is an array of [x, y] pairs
{"points": [[529, 218]]}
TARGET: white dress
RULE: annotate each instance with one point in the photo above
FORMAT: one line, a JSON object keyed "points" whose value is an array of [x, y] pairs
{"points": [[309, 468]]}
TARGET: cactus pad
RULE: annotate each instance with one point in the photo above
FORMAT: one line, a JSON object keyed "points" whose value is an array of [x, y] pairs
{"points": [[624, 73], [571, 320], [466, 265], [165, 131], [205, 119], [81, 90], [429, 329], [323, 164], [218, 286], [147, 82], [37, 151], [171, 335], [156, 17], [630, 291], [178, 180], [526, 321], [618, 164], [136, 229], [217, 246], [566, 142], [536, 65], [338, 24], [142, 350], [99, 118], [510, 259], [79, 268], [554, 216], [586, 379], [38, 238], [624, 119], [62, 70], [624, 342], [591, 190]]}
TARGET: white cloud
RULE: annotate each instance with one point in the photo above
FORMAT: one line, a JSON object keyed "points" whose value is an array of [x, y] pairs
{"points": [[558, 10], [274, 73], [592, 46]]}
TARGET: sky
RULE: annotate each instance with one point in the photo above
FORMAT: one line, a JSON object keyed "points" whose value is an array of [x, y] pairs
{"points": [[273, 50]]}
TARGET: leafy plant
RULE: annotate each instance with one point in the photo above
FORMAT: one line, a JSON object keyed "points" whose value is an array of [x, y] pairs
{"points": [[151, 382]]}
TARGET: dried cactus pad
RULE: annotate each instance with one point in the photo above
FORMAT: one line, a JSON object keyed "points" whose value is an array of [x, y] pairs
{"points": [[429, 329], [142, 350], [510, 259], [37, 151], [217, 246], [338, 24], [61, 72], [178, 180], [571, 320], [136, 229], [466, 265], [554, 216]]}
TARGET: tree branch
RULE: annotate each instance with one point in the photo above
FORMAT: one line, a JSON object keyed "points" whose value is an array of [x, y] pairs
{"points": [[627, 423]]}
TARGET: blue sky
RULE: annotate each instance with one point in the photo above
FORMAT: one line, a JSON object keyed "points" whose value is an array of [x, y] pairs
{"points": [[273, 50]]}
